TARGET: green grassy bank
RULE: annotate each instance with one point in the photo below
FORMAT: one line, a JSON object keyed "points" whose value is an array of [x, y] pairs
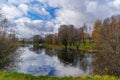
{"points": [[20, 76], [86, 47], [90, 47]]}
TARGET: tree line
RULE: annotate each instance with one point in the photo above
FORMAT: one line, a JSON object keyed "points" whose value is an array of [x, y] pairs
{"points": [[67, 35]]}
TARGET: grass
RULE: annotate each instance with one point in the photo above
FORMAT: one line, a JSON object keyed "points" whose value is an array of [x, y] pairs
{"points": [[21, 76], [90, 47], [86, 47]]}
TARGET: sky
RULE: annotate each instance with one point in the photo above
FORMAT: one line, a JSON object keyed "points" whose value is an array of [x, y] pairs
{"points": [[32, 17]]}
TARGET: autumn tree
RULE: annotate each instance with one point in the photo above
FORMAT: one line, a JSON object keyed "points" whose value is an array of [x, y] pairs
{"points": [[96, 30], [77, 37], [84, 33], [107, 38], [63, 36], [69, 35], [72, 34], [55, 39], [49, 38]]}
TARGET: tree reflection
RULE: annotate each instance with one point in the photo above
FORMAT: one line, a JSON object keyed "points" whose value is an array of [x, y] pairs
{"points": [[73, 58], [36, 48], [66, 57], [4, 61], [7, 61], [69, 57], [106, 64], [51, 52]]}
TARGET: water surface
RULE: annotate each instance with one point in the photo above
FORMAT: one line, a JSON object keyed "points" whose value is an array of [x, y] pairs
{"points": [[51, 62]]}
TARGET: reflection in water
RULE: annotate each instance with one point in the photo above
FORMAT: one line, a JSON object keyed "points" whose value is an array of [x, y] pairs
{"points": [[107, 64], [53, 62], [76, 59], [36, 48], [5, 61], [8, 60]]}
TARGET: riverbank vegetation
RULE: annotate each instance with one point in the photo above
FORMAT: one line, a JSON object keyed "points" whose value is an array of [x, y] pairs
{"points": [[8, 42], [20, 76], [106, 35], [84, 47]]}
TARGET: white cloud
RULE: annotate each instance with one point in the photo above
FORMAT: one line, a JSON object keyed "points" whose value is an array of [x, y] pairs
{"points": [[11, 11], [25, 27], [92, 6], [69, 17], [116, 3], [23, 7], [13, 1], [16, 2], [70, 12], [40, 10]]}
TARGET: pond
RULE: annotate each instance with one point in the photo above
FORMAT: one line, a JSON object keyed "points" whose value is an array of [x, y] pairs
{"points": [[51, 62]]}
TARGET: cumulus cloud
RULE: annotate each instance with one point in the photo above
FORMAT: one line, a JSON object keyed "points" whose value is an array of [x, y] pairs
{"points": [[116, 3], [11, 11], [26, 27], [23, 8], [34, 17], [39, 10], [69, 17], [92, 6]]}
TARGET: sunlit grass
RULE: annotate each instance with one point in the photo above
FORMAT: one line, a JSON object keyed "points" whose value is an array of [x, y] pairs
{"points": [[86, 46], [20, 76]]}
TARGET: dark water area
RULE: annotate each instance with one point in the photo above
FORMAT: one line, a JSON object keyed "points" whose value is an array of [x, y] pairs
{"points": [[51, 62]]}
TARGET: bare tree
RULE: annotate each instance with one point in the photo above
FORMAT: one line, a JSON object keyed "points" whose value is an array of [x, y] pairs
{"points": [[8, 45]]}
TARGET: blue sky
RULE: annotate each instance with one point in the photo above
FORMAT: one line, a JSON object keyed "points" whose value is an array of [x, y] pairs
{"points": [[31, 17]]}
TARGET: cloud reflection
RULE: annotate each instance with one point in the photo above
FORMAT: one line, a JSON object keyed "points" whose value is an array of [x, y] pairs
{"points": [[43, 64]]}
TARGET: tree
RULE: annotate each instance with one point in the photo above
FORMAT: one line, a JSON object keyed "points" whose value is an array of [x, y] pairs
{"points": [[49, 38], [71, 35], [8, 42], [95, 34], [55, 39], [37, 39], [63, 36], [108, 45]]}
